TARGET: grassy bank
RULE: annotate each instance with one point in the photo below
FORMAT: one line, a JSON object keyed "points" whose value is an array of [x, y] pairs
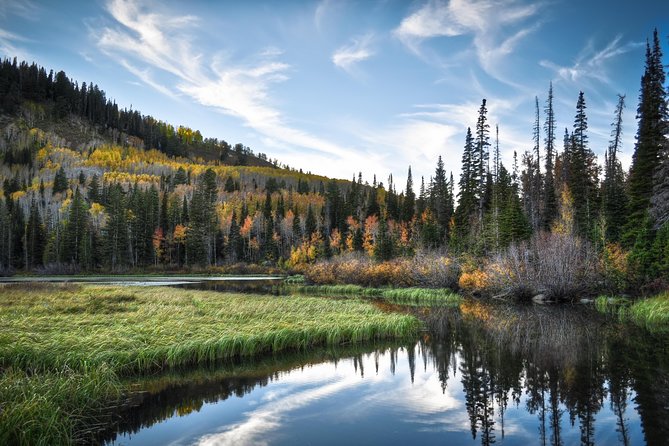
{"points": [[403, 296], [651, 313], [65, 338]]}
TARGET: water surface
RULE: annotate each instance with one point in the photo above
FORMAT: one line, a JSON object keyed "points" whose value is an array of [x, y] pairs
{"points": [[466, 381]]}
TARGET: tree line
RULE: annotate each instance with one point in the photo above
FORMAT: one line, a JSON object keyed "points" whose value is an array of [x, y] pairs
{"points": [[192, 215], [21, 83]]}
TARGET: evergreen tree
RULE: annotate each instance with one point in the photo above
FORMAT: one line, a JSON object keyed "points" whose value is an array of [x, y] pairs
{"points": [[480, 159], [76, 236], [422, 199], [650, 138], [94, 189], [35, 237], [115, 234], [164, 221], [614, 197], [229, 185], [583, 173], [310, 223], [60, 183], [549, 192], [535, 180], [439, 199], [409, 202], [383, 249], [180, 177], [467, 200]]}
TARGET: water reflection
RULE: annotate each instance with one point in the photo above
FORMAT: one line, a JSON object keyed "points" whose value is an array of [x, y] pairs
{"points": [[476, 377]]}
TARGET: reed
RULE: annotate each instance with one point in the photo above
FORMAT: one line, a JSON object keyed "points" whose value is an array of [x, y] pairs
{"points": [[63, 349], [404, 296], [651, 313]]}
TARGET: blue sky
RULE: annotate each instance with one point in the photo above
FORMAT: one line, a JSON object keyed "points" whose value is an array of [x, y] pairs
{"points": [[337, 87]]}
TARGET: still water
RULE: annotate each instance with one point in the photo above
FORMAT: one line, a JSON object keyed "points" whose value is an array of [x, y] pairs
{"points": [[478, 375]]}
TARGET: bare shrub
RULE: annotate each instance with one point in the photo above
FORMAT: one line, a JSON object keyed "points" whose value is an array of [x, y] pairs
{"points": [[428, 270], [558, 265], [434, 270]]}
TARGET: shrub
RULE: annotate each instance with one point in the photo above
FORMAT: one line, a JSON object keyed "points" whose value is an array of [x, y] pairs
{"points": [[434, 270], [475, 282], [425, 270], [558, 265]]}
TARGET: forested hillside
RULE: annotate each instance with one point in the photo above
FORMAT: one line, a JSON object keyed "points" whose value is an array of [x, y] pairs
{"points": [[90, 186]]}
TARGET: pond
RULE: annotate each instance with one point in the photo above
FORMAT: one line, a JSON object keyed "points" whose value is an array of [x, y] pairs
{"points": [[478, 375]]}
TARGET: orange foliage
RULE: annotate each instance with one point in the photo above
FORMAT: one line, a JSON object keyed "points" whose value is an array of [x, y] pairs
{"points": [[475, 281]]}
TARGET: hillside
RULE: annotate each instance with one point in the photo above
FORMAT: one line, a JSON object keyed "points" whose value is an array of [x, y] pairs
{"points": [[88, 189]]}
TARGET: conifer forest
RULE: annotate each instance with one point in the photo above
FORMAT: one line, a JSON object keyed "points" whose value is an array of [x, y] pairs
{"points": [[182, 260], [88, 186]]}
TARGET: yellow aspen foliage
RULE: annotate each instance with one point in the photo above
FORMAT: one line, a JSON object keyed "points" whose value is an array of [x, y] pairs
{"points": [[370, 234], [179, 233]]}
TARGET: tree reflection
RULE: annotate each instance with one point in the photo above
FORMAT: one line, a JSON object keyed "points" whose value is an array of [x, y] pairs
{"points": [[550, 362]]}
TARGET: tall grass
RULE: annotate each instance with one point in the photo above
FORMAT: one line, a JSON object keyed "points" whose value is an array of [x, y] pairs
{"points": [[404, 296], [49, 408], [651, 313], [64, 348]]}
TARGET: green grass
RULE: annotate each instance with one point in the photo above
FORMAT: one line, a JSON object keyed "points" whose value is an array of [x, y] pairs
{"points": [[404, 296], [651, 313], [70, 335]]}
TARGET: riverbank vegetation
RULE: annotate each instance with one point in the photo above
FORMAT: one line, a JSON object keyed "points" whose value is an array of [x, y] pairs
{"points": [[558, 222], [64, 349], [651, 313], [402, 296]]}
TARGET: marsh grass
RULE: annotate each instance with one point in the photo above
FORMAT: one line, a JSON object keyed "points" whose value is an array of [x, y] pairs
{"points": [[49, 408], [651, 313], [403, 296], [57, 342]]}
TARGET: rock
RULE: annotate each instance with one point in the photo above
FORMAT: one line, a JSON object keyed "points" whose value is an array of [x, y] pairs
{"points": [[539, 299]]}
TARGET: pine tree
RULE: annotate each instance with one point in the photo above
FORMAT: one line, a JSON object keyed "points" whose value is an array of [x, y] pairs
{"points": [[229, 185], [421, 202], [60, 183], [583, 173], [614, 198], [115, 234], [76, 234], [235, 248], [536, 181], [409, 203], [549, 192], [383, 249], [35, 237], [467, 200], [650, 138], [310, 223], [94, 189], [439, 199], [480, 159]]}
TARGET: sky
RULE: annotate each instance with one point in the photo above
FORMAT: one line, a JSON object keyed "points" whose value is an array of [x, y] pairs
{"points": [[341, 87]]}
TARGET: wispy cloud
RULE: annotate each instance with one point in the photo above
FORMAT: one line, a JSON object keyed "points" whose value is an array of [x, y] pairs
{"points": [[591, 63], [9, 45], [496, 27], [147, 41], [348, 56], [26, 9], [320, 11]]}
